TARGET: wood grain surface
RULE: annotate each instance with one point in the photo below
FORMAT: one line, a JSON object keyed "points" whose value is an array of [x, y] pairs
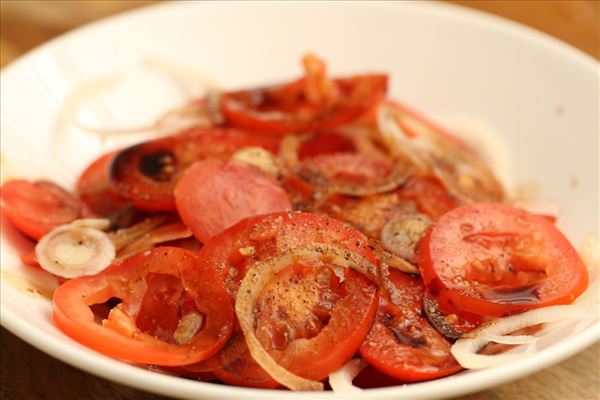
{"points": [[27, 373]]}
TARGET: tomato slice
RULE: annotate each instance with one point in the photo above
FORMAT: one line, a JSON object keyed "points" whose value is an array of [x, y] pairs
{"points": [[368, 214], [450, 324], [348, 169], [495, 260], [401, 343], [371, 378], [36, 208], [160, 290], [95, 189], [212, 195], [429, 194], [147, 173], [308, 104], [325, 143], [262, 237]]}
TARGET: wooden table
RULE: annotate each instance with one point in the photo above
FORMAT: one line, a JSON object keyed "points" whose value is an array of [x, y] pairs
{"points": [[29, 374]]}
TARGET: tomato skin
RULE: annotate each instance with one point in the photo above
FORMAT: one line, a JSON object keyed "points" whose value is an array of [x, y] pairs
{"points": [[95, 189], [117, 337], [254, 109], [325, 143], [213, 195], [370, 378], [495, 260], [147, 173], [401, 343], [453, 323], [429, 194], [271, 235], [345, 169], [341, 316], [36, 208]]}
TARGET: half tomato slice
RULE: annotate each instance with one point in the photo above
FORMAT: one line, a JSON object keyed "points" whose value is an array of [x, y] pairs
{"points": [[172, 310]]}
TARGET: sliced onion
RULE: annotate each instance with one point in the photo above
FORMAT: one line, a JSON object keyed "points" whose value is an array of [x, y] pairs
{"points": [[398, 142], [384, 282], [125, 236], [255, 280], [341, 380], [74, 250], [289, 148], [438, 320], [260, 158], [401, 234], [392, 260], [466, 349], [398, 176], [189, 325], [96, 223], [512, 340], [164, 233], [465, 176]]}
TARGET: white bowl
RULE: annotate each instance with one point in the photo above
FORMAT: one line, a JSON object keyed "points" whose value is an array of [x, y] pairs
{"points": [[539, 95]]}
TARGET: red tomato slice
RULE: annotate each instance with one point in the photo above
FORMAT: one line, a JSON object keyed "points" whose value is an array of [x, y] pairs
{"points": [[430, 196], [95, 189], [263, 237], [147, 173], [495, 260], [212, 195], [287, 108], [368, 214], [322, 310], [401, 343], [300, 192], [345, 169], [157, 289], [36, 208], [325, 143], [371, 378], [452, 324]]}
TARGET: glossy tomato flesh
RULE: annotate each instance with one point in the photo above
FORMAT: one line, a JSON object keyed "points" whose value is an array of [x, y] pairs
{"points": [[286, 108], [36, 208], [260, 238], [157, 289], [495, 260], [95, 189], [401, 343], [429, 195], [147, 173]]}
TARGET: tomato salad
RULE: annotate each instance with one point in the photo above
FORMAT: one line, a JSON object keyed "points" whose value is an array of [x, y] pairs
{"points": [[301, 231]]}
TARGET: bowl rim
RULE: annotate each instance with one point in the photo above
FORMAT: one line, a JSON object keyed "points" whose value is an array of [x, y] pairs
{"points": [[460, 384]]}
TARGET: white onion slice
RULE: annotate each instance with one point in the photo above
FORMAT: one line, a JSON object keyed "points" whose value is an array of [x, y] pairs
{"points": [[75, 250], [462, 173], [341, 380], [398, 176], [517, 339], [397, 141], [258, 157], [392, 260], [401, 234], [101, 224], [260, 274], [466, 349]]}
